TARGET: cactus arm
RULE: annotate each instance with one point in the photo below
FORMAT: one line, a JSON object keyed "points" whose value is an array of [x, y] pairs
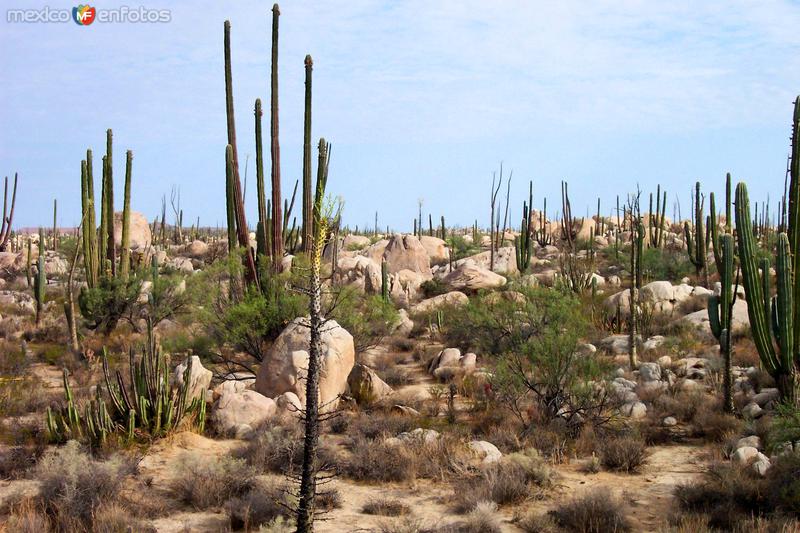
{"points": [[757, 308], [784, 302], [714, 316]]}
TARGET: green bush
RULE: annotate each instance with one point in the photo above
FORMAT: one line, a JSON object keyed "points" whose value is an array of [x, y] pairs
{"points": [[367, 318], [105, 304]]}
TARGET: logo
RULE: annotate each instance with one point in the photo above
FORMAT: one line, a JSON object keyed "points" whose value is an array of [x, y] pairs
{"points": [[83, 15]]}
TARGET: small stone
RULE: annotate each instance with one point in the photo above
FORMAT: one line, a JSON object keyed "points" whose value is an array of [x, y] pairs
{"points": [[752, 410], [670, 421], [752, 441]]}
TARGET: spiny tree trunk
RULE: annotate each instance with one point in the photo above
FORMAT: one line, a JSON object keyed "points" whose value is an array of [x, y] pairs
{"points": [[308, 216], [308, 480]]}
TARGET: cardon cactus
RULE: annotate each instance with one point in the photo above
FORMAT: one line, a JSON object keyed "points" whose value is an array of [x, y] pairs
{"points": [[523, 244], [696, 243], [720, 313], [713, 223], [775, 322], [384, 280], [772, 319], [40, 282]]}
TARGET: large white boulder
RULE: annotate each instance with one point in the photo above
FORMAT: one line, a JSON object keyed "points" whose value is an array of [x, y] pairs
{"points": [[235, 409], [286, 364], [405, 252], [140, 234], [471, 277], [436, 248], [199, 379], [431, 304]]}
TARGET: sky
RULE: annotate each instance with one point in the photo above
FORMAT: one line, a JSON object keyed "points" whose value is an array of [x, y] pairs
{"points": [[422, 101]]}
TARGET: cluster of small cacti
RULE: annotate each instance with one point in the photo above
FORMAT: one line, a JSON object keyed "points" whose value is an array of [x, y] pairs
{"points": [[99, 249], [148, 404]]}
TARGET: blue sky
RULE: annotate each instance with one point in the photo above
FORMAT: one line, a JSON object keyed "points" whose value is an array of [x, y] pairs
{"points": [[420, 100]]}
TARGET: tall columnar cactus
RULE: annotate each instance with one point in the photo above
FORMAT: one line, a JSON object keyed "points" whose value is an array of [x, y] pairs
{"points": [[109, 207], [696, 243], [308, 216], [55, 224], [229, 197], [251, 273], [772, 319], [261, 242], [637, 248], [523, 244], [794, 208], [28, 263], [275, 149], [8, 214], [125, 254], [40, 281], [720, 314], [656, 220]]}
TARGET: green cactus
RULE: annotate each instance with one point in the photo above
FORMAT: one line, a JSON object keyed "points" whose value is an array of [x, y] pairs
{"points": [[720, 314], [637, 248], [696, 244], [770, 317], [8, 215], [149, 403], [656, 220], [261, 243], [713, 223], [523, 244], [28, 263], [55, 224], [40, 281], [307, 199], [125, 253], [229, 197]]}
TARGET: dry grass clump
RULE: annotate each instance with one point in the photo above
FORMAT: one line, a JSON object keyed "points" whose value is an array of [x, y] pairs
{"points": [[482, 519], [16, 460], [385, 507], [596, 512], [513, 479], [728, 495], [279, 450], [623, 454], [209, 482], [73, 486], [262, 503], [397, 376], [380, 425], [379, 462], [713, 425]]}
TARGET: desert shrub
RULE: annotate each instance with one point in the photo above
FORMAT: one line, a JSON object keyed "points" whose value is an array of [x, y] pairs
{"points": [[481, 519], [665, 264], [210, 482], [20, 395], [367, 319], [112, 517], [397, 376], [785, 425], [596, 512], [713, 425], [263, 502], [328, 500], [27, 516], [249, 322], [15, 460], [783, 484], [511, 480], [379, 425], [385, 507], [623, 454], [433, 287], [379, 462], [460, 248], [73, 485], [536, 523], [536, 342], [110, 300], [725, 493], [277, 449]]}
